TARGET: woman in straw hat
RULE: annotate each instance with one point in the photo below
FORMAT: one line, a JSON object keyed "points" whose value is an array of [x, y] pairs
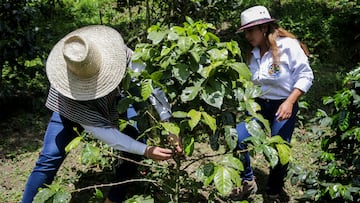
{"points": [[279, 64], [85, 69]]}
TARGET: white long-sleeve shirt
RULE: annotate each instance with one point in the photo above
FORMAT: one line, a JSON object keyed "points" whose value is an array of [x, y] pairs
{"points": [[294, 71]]}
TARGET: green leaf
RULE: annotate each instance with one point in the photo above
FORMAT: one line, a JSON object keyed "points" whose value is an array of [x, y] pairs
{"points": [[271, 155], [179, 114], [73, 144], [284, 153], [90, 154], [232, 162], [146, 88], [242, 69], [61, 197], [185, 44], [231, 137], [195, 117], [189, 148], [43, 195], [171, 128], [276, 139], [254, 128], [208, 169], [218, 55], [209, 120], [156, 37], [189, 93], [235, 177], [213, 97], [181, 73], [123, 104], [222, 180]]}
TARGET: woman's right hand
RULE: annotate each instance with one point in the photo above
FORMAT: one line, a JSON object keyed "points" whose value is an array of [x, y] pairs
{"points": [[158, 153]]}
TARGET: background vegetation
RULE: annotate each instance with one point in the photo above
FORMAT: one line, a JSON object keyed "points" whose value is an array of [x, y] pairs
{"points": [[330, 29]]}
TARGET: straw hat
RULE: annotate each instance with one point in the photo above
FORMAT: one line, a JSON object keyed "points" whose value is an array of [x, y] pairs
{"points": [[256, 15], [87, 63]]}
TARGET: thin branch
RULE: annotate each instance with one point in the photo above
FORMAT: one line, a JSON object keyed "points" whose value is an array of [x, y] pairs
{"points": [[117, 183]]}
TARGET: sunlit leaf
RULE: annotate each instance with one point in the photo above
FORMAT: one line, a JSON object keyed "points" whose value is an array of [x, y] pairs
{"points": [[181, 73], [171, 128], [232, 162], [184, 43], [90, 154], [189, 93], [156, 37], [284, 152], [61, 197], [209, 120], [73, 144], [231, 137], [222, 180], [189, 148], [179, 114], [195, 117], [242, 69], [146, 88], [43, 195]]}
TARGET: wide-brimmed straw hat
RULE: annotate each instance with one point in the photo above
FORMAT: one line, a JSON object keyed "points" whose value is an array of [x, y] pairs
{"points": [[256, 15], [87, 63]]}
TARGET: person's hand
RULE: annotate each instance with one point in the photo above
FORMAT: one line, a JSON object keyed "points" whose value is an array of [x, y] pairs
{"points": [[284, 111], [158, 153], [175, 141]]}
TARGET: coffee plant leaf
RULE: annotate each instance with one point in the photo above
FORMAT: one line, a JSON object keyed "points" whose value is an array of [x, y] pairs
{"points": [[209, 120], [43, 195], [61, 197], [73, 144], [222, 180], [231, 137], [284, 153], [271, 155], [195, 117]]}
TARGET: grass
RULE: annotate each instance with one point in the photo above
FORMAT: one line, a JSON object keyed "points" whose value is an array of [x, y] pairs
{"points": [[21, 141]]}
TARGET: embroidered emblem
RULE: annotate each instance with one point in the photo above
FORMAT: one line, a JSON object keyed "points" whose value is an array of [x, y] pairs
{"points": [[274, 70]]}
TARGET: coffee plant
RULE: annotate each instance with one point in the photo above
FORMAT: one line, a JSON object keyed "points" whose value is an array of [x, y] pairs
{"points": [[337, 179]]}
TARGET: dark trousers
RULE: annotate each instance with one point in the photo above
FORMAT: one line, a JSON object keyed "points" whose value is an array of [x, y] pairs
{"points": [[283, 128]]}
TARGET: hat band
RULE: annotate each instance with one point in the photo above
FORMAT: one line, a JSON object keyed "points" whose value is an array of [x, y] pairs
{"points": [[256, 21]]}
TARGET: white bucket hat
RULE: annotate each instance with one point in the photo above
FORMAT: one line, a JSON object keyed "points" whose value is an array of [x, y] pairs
{"points": [[87, 63], [256, 15]]}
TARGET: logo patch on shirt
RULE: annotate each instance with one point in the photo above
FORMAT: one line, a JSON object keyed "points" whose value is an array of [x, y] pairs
{"points": [[274, 70]]}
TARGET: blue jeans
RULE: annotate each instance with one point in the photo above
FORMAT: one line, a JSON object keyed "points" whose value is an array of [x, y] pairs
{"points": [[58, 135], [283, 128]]}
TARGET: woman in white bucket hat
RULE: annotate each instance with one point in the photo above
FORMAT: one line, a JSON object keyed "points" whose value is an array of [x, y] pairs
{"points": [[279, 64], [85, 69]]}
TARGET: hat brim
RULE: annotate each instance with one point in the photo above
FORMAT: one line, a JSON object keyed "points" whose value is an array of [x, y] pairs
{"points": [[112, 66], [258, 22]]}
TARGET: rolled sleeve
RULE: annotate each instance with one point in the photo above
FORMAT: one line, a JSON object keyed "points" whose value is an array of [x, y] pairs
{"points": [[302, 72]]}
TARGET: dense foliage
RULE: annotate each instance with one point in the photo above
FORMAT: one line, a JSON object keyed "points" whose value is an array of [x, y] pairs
{"points": [[337, 178]]}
